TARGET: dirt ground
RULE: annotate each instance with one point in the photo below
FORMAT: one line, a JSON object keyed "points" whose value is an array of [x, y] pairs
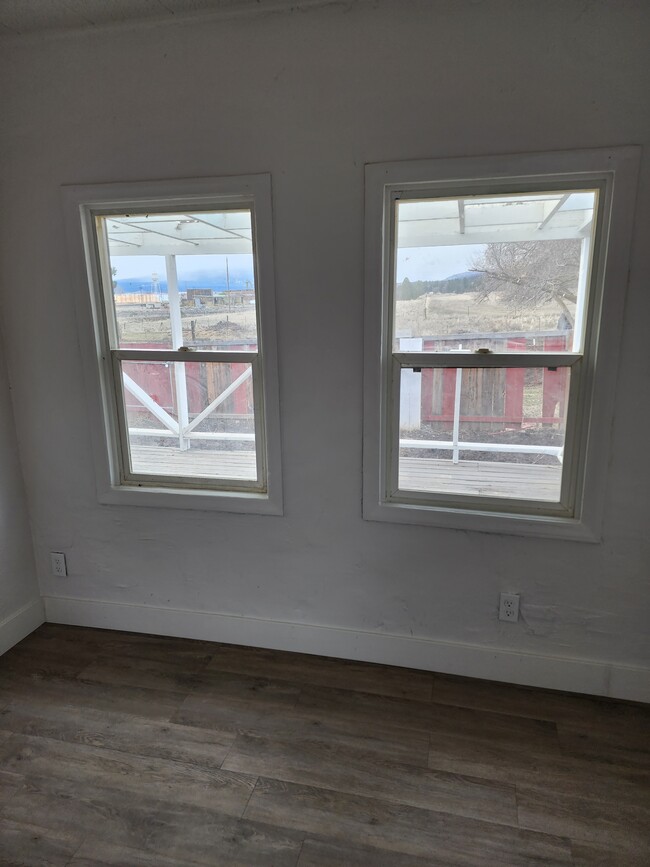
{"points": [[139, 324]]}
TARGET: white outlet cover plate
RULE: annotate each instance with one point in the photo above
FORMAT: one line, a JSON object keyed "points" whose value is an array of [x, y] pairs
{"points": [[509, 607], [59, 566]]}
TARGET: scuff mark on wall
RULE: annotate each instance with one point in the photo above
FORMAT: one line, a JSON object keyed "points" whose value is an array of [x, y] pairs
{"points": [[546, 620]]}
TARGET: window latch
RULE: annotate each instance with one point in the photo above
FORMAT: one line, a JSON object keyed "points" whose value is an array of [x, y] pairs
{"points": [[483, 351]]}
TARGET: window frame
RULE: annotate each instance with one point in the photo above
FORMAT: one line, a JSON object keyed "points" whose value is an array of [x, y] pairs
{"points": [[116, 482], [579, 515]]}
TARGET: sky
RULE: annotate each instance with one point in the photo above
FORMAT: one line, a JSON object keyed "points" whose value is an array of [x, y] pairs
{"points": [[416, 263], [435, 263], [142, 267]]}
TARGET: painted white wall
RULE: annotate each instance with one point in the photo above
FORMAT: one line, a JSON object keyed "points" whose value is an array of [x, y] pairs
{"points": [[311, 96], [21, 609]]}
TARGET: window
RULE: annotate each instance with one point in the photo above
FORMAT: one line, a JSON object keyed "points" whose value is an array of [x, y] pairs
{"points": [[493, 288], [181, 306]]}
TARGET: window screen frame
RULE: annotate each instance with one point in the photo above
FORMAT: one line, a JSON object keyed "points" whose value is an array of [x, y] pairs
{"points": [[579, 514], [116, 482]]}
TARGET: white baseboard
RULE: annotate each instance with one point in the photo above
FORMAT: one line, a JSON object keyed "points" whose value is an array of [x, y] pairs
{"points": [[591, 677], [18, 625]]}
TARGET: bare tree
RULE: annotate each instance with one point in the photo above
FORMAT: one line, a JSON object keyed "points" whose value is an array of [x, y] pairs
{"points": [[530, 273]]}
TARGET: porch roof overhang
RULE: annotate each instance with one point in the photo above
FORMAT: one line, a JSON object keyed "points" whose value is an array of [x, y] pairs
{"points": [[421, 223], [494, 219], [187, 234]]}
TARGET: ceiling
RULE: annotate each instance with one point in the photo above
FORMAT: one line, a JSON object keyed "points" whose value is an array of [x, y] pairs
{"points": [[19, 17]]}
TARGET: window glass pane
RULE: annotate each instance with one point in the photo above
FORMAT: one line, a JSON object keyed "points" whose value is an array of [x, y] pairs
{"points": [[506, 272], [182, 280], [494, 432], [190, 419]]}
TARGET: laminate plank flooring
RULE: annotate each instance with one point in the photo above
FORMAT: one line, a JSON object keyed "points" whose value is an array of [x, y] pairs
{"points": [[492, 745], [444, 837], [316, 853], [124, 750], [341, 769], [112, 730], [599, 815], [320, 671], [587, 714], [585, 855], [99, 853], [142, 702], [354, 708], [42, 758], [628, 754], [30, 844], [181, 832], [289, 722]]}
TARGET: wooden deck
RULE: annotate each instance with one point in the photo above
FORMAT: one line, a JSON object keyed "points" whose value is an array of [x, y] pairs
{"points": [[499, 479], [197, 463], [484, 478]]}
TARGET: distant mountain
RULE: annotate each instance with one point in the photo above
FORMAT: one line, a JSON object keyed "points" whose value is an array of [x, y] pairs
{"points": [[465, 275], [217, 283]]}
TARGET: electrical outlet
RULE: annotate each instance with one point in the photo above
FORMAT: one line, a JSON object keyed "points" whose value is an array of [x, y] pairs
{"points": [[58, 564], [509, 607]]}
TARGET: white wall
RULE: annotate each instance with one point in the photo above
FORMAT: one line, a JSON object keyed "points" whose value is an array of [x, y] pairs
{"points": [[311, 96], [21, 609]]}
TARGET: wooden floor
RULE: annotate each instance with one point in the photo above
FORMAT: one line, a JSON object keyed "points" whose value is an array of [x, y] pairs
{"points": [[487, 478], [123, 749]]}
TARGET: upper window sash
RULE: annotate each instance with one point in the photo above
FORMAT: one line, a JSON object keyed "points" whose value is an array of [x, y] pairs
{"points": [[148, 231], [443, 212]]}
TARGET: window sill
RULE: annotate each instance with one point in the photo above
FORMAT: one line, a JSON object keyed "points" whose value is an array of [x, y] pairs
{"points": [[510, 523], [202, 500]]}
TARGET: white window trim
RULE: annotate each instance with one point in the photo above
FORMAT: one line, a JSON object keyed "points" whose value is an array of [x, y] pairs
{"points": [[81, 204], [616, 169]]}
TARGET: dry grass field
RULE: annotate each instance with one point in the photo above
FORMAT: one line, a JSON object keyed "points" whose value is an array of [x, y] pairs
{"points": [[440, 314], [140, 324], [428, 316]]}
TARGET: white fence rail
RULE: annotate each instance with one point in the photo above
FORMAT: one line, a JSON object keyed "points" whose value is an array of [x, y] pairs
{"points": [[460, 446]]}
